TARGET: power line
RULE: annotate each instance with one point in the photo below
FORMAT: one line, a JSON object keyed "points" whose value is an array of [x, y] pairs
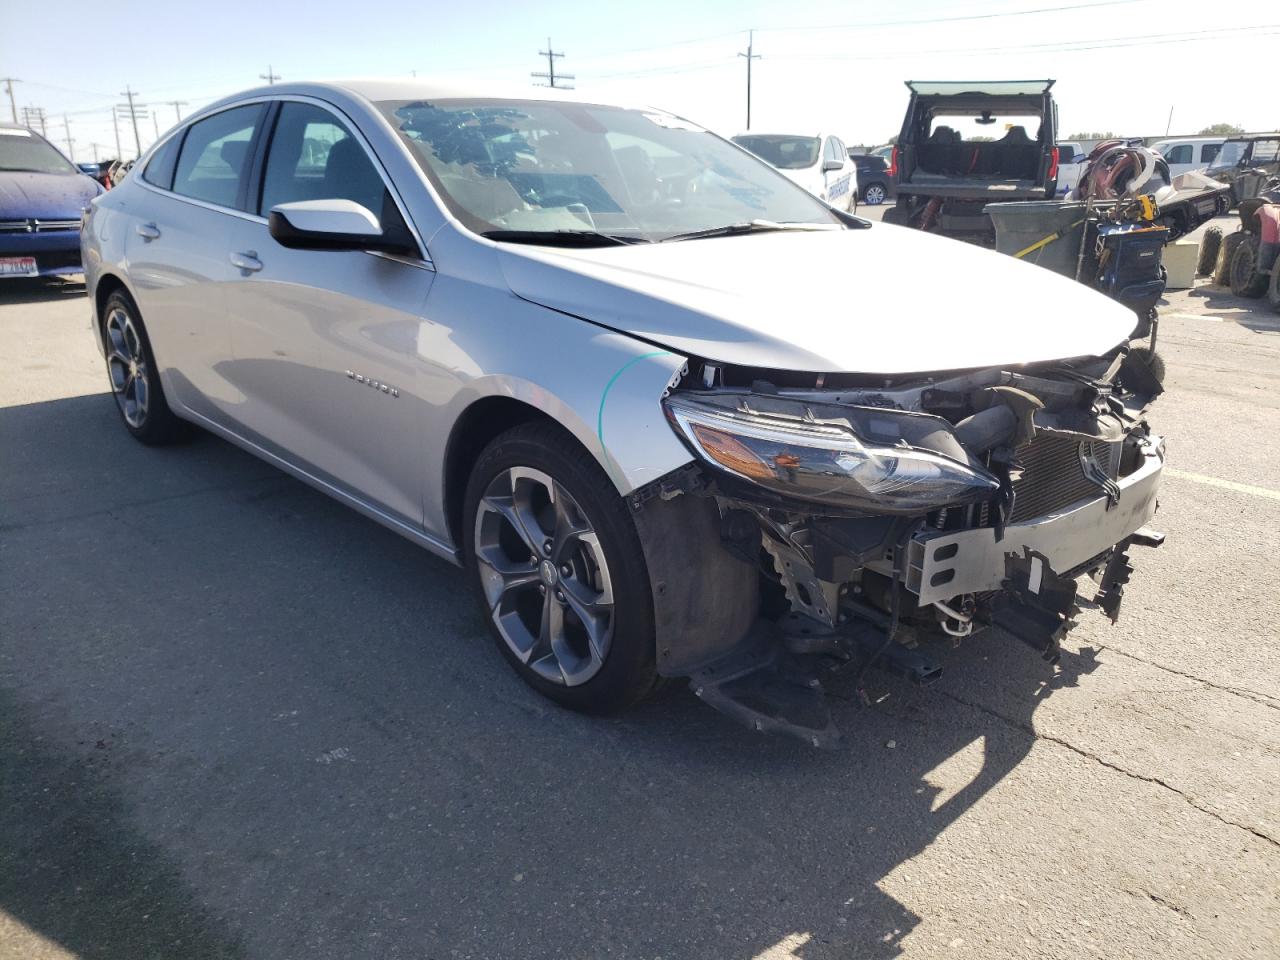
{"points": [[751, 36], [958, 19], [550, 74]]}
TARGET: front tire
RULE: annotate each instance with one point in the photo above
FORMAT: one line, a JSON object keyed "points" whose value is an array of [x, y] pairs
{"points": [[134, 375], [1227, 250], [557, 564], [874, 194]]}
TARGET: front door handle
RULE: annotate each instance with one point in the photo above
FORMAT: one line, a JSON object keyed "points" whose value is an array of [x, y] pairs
{"points": [[248, 262], [148, 231]]}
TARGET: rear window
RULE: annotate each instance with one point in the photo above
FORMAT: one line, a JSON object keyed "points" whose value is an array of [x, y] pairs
{"points": [[1264, 151], [159, 171], [215, 156], [979, 127], [783, 152]]}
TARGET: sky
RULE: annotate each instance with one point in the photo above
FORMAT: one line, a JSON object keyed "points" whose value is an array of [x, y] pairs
{"points": [[1120, 65]]}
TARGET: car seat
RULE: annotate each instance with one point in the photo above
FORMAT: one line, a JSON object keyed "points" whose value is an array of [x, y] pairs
{"points": [[349, 175]]}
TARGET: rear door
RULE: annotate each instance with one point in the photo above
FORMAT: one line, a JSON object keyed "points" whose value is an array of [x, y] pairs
{"points": [[325, 343], [189, 196]]}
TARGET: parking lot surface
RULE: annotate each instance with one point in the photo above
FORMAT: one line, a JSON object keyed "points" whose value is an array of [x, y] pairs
{"points": [[239, 720]]}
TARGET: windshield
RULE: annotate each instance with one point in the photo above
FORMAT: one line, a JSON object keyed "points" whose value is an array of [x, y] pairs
{"points": [[544, 167], [21, 150], [1229, 155], [785, 153]]}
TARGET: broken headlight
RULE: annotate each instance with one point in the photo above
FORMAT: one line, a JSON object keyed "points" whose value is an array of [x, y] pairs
{"points": [[824, 462]]}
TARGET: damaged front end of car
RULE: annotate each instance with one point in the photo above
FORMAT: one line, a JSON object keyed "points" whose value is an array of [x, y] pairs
{"points": [[839, 521]]}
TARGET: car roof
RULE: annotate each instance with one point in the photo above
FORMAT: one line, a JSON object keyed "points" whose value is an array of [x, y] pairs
{"points": [[394, 88]]}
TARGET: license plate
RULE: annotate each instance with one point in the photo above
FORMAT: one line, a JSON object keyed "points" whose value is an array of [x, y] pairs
{"points": [[18, 267]]}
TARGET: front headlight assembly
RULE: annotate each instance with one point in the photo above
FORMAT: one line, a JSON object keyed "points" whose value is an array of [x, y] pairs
{"points": [[825, 462]]}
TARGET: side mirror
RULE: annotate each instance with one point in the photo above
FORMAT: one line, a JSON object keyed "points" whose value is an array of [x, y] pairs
{"points": [[829, 165], [331, 225]]}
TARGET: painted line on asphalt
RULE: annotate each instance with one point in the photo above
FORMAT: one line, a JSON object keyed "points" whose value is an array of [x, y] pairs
{"points": [[1264, 492]]}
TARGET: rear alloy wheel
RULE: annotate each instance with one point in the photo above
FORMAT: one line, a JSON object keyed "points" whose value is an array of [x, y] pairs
{"points": [[560, 571], [873, 194], [1246, 279], [131, 368]]}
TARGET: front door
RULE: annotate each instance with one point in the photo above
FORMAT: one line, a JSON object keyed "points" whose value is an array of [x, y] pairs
{"points": [[325, 343]]}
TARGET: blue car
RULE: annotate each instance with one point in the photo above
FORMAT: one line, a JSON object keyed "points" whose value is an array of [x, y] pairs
{"points": [[42, 195]]}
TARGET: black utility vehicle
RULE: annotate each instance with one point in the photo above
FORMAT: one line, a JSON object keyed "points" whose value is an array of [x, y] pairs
{"points": [[965, 144], [1246, 163]]}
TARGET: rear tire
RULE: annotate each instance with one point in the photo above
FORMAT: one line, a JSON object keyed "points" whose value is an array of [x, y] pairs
{"points": [[134, 375], [1246, 279], [1210, 244], [559, 570], [1222, 269], [874, 194], [1273, 291]]}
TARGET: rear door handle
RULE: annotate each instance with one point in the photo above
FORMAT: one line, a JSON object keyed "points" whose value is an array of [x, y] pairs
{"points": [[148, 231], [248, 262]]}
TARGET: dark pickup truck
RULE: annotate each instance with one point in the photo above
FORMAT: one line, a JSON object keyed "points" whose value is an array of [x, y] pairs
{"points": [[965, 144]]}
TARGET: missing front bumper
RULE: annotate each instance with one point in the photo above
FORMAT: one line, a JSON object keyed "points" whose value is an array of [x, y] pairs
{"points": [[945, 565]]}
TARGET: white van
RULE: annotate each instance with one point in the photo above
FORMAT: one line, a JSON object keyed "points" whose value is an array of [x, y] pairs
{"points": [[818, 162], [1188, 153]]}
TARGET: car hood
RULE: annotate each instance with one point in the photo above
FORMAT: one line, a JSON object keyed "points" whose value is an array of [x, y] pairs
{"points": [[883, 300], [46, 196]]}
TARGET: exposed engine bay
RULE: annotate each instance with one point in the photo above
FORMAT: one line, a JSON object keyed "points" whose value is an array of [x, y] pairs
{"points": [[848, 520]]}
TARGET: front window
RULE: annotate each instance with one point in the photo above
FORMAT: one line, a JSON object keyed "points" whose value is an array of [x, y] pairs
{"points": [[785, 153], [21, 151], [1229, 155], [562, 168]]}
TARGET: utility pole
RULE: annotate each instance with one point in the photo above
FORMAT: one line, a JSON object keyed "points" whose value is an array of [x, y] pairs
{"points": [[1170, 123], [550, 75], [270, 76], [8, 85], [71, 151], [155, 123], [750, 55], [133, 115], [115, 122], [177, 105], [94, 147], [34, 117]]}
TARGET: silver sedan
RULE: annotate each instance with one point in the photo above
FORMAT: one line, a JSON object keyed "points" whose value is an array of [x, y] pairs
{"points": [[602, 357]]}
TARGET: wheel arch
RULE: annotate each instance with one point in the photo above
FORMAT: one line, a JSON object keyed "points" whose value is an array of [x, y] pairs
{"points": [[474, 430], [107, 284]]}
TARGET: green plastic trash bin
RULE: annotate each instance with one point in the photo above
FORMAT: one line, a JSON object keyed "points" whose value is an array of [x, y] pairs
{"points": [[1022, 225]]}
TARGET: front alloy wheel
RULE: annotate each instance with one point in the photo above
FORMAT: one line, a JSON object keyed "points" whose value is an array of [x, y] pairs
{"points": [[544, 575], [127, 367], [874, 195]]}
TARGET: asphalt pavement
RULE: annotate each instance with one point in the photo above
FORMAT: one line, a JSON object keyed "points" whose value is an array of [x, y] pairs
{"points": [[239, 720]]}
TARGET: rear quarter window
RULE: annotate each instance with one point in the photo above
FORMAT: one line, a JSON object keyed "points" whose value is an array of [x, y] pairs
{"points": [[159, 169]]}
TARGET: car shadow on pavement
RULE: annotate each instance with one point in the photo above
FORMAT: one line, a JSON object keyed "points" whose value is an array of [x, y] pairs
{"points": [[240, 712], [40, 289]]}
